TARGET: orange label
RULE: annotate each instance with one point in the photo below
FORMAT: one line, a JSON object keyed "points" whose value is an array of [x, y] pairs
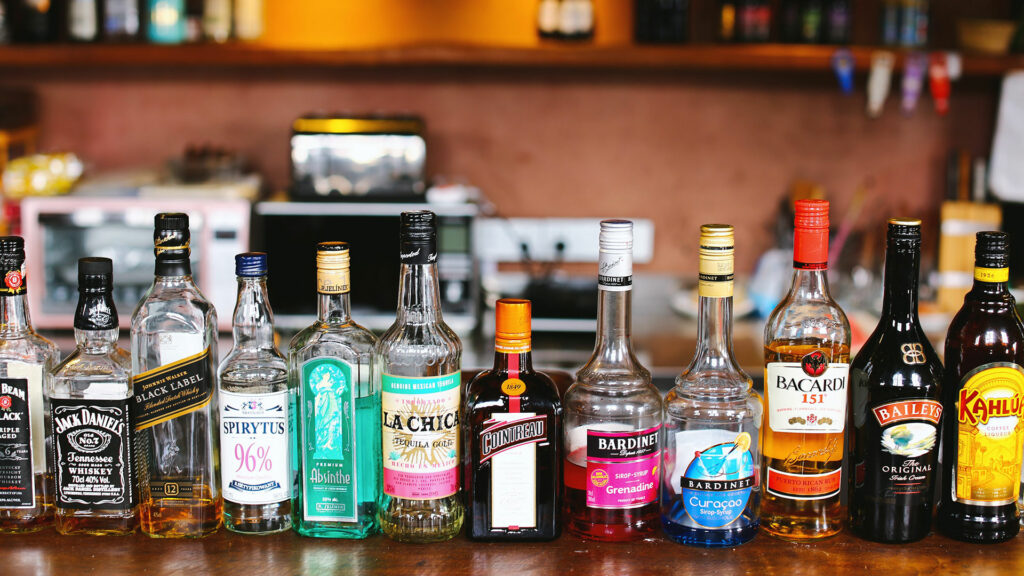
{"points": [[804, 486], [513, 386]]}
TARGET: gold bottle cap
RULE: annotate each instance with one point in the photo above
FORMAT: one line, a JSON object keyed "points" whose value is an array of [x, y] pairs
{"points": [[905, 221], [716, 261], [332, 268]]}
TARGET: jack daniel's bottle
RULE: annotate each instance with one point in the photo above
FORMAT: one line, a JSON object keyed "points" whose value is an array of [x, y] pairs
{"points": [[896, 409]]}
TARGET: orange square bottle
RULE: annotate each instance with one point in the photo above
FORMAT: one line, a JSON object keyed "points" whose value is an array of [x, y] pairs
{"points": [[807, 365]]}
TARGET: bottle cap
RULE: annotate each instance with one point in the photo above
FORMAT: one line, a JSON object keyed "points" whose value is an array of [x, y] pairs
{"points": [[715, 262], [418, 234], [615, 257], [332, 268], [992, 250], [616, 236], [251, 264], [171, 234], [12, 265], [95, 275], [512, 326], [810, 238], [904, 229], [96, 310]]}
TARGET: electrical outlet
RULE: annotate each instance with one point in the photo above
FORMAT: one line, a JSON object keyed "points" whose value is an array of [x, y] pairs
{"points": [[499, 239]]}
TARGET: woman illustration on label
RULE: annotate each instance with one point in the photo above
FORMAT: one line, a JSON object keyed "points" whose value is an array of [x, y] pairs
{"points": [[328, 385]]}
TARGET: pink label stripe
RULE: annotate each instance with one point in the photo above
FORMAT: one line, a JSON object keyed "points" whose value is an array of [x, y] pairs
{"points": [[425, 486]]}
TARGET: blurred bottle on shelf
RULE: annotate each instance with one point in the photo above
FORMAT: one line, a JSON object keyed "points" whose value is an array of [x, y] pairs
{"points": [[576, 20], [194, 20], [789, 21], [166, 21], [121, 20], [662, 21], [838, 22], [83, 20], [727, 20], [547, 18], [753, 20], [248, 19], [217, 20], [811, 22], [905, 22], [32, 21]]}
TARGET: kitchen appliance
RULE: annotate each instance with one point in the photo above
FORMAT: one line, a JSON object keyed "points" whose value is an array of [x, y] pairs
{"points": [[373, 158], [289, 232], [60, 230]]}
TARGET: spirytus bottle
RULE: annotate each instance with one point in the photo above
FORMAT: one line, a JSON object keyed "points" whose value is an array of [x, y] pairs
{"points": [[983, 401], [612, 428], [807, 355], [710, 493], [418, 361], [26, 493], [90, 396], [255, 401], [174, 378], [337, 418], [896, 407], [513, 439]]}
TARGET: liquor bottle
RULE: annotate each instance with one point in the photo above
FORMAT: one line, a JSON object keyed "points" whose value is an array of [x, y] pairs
{"points": [[512, 438], [255, 399], [90, 428], [728, 26], [33, 21], [217, 20], [807, 355], [547, 18], [174, 377], [248, 20], [812, 21], [710, 495], [121, 20], [26, 494], [612, 429], [166, 21], [83, 20], [337, 420], [896, 407], [983, 398], [576, 19], [418, 361]]}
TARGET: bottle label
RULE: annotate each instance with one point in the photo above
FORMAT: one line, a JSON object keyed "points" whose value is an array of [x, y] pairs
{"points": [[93, 455], [714, 476], [909, 439], [804, 486], [421, 436], [716, 274], [254, 459], [22, 448], [328, 445], [332, 280], [509, 442], [807, 396], [992, 274], [990, 435], [615, 271], [172, 390], [622, 468], [422, 252], [13, 269]]}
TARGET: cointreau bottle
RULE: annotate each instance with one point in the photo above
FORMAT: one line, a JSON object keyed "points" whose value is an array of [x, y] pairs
{"points": [[513, 425], [983, 401], [807, 365]]}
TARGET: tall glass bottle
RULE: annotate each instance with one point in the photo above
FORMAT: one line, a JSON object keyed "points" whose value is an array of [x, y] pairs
{"points": [[337, 419], [983, 399], [612, 429], [174, 377], [710, 494], [418, 361], [255, 458], [90, 426], [513, 439], [896, 407], [807, 355], [26, 491]]}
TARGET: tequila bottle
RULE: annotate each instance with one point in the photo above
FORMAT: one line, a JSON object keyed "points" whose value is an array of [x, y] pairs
{"points": [[337, 420], [174, 379], [90, 396]]}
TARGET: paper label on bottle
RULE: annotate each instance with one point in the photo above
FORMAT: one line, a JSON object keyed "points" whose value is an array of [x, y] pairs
{"points": [[172, 390], [714, 474], [254, 461], [908, 446], [421, 435], [990, 435], [22, 447], [716, 276], [615, 271], [327, 441], [93, 454], [807, 396], [803, 486], [509, 442], [622, 468]]}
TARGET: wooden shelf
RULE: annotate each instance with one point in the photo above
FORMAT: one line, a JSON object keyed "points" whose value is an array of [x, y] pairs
{"points": [[770, 57]]}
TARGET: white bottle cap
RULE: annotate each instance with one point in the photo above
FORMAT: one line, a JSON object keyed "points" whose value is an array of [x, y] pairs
{"points": [[615, 262]]}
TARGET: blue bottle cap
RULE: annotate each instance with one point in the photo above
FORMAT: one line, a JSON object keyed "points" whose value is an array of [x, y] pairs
{"points": [[251, 264]]}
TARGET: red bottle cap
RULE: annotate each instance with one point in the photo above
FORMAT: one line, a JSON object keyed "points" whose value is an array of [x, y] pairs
{"points": [[810, 239]]}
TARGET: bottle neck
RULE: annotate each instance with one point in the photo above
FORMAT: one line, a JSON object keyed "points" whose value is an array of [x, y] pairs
{"points": [[14, 318], [810, 285], [419, 296], [714, 334], [334, 308], [513, 362], [614, 347], [253, 324], [899, 300], [172, 265], [96, 341]]}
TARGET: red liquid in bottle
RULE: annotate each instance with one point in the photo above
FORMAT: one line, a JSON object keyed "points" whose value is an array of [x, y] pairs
{"points": [[604, 524]]}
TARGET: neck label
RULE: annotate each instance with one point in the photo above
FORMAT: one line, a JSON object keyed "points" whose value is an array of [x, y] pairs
{"points": [[14, 281], [332, 280], [615, 271], [992, 274], [716, 276]]}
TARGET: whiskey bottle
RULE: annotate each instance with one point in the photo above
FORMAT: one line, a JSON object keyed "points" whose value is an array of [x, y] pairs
{"points": [[896, 407], [513, 439], [174, 379], [90, 428], [337, 419], [612, 428], [983, 401], [255, 400], [807, 355], [26, 493], [710, 495], [418, 361]]}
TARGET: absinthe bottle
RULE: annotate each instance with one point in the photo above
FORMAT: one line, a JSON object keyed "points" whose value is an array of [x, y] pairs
{"points": [[418, 361]]}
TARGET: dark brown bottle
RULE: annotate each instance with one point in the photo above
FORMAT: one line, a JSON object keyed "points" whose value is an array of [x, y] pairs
{"points": [[896, 407], [512, 439], [983, 401]]}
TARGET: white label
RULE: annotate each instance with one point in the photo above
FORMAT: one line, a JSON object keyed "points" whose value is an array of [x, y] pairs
{"points": [[34, 374], [804, 401], [514, 482], [254, 447], [174, 346], [615, 271], [689, 443]]}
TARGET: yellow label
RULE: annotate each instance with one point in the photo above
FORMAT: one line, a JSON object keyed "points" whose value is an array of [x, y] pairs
{"points": [[332, 281], [513, 387], [992, 274], [716, 276], [990, 435]]}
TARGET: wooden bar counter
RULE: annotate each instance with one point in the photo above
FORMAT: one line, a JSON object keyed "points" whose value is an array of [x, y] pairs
{"points": [[47, 553]]}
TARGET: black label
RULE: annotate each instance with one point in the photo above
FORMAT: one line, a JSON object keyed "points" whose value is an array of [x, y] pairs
{"points": [[619, 445], [172, 390], [170, 489], [717, 485], [92, 453], [17, 488], [618, 281], [418, 252]]}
